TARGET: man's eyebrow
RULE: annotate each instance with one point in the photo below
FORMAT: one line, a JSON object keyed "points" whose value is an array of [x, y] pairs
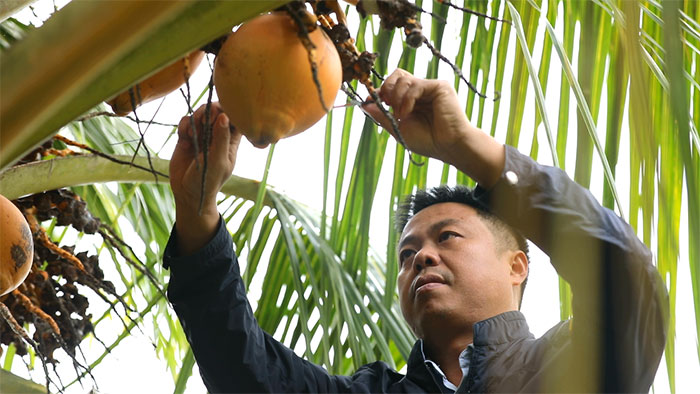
{"points": [[433, 228], [406, 240], [443, 223]]}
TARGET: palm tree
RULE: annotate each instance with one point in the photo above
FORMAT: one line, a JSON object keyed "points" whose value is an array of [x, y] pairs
{"points": [[626, 78]]}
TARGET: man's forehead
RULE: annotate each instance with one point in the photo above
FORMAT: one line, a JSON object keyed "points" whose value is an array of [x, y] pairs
{"points": [[437, 216]]}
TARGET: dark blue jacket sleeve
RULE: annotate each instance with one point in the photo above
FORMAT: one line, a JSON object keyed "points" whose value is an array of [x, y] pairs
{"points": [[620, 303], [233, 353]]}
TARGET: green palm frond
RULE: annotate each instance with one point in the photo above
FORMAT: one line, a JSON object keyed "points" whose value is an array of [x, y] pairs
{"points": [[616, 104]]}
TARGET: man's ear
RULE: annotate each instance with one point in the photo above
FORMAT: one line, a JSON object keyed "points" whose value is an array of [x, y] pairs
{"points": [[519, 267]]}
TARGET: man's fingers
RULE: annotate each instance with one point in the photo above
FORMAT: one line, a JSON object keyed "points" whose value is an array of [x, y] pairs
{"points": [[372, 109], [403, 85], [200, 114], [224, 143], [183, 148], [408, 102], [386, 91], [220, 135], [234, 143], [409, 91], [390, 92], [401, 90], [213, 107], [183, 128], [197, 119]]}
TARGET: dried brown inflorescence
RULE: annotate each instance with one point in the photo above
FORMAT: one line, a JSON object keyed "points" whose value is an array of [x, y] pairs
{"points": [[52, 299]]}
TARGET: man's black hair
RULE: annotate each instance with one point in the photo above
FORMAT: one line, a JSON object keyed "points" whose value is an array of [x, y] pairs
{"points": [[463, 195]]}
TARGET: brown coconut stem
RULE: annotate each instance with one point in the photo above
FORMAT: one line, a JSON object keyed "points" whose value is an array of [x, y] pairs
{"points": [[310, 49]]}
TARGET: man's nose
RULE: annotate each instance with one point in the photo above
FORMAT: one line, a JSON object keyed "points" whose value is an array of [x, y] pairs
{"points": [[425, 257]]}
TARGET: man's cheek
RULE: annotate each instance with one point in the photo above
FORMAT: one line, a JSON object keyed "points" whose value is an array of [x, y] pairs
{"points": [[400, 281], [404, 294]]}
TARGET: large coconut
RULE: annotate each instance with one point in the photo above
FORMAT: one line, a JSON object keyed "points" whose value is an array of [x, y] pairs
{"points": [[16, 247], [264, 81], [157, 85]]}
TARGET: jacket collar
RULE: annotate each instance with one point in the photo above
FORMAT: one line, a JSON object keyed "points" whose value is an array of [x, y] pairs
{"points": [[503, 328]]}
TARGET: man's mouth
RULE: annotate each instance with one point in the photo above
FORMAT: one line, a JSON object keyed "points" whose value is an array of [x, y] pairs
{"points": [[427, 282]]}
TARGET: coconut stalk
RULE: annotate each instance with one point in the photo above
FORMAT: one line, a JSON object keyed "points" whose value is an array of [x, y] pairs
{"points": [[11, 383], [40, 176]]}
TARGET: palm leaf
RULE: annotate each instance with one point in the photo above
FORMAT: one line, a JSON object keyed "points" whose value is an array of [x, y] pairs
{"points": [[539, 95], [327, 290]]}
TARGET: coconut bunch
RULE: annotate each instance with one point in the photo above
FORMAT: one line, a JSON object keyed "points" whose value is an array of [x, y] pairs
{"points": [[279, 73], [42, 284]]}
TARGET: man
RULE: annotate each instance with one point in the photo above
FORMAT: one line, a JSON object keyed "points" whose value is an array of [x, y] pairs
{"points": [[463, 266]]}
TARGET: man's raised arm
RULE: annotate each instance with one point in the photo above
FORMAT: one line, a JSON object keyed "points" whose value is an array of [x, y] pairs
{"points": [[206, 290]]}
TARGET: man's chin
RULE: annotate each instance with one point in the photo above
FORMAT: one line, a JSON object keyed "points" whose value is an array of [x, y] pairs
{"points": [[432, 312], [432, 322]]}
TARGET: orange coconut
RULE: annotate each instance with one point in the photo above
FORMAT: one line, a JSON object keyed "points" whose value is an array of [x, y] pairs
{"points": [[16, 247], [264, 82], [159, 84]]}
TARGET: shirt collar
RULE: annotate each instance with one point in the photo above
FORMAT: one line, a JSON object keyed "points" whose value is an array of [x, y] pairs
{"points": [[464, 359]]}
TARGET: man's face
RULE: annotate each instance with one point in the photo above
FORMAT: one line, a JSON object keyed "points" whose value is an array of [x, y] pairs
{"points": [[451, 273]]}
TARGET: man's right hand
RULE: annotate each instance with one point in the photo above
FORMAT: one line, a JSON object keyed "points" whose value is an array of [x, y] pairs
{"points": [[432, 123], [430, 117], [194, 230]]}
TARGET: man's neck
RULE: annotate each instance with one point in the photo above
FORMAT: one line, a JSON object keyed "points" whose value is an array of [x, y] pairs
{"points": [[445, 352]]}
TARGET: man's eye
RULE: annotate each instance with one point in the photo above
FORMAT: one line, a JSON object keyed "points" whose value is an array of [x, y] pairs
{"points": [[446, 235], [405, 254]]}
